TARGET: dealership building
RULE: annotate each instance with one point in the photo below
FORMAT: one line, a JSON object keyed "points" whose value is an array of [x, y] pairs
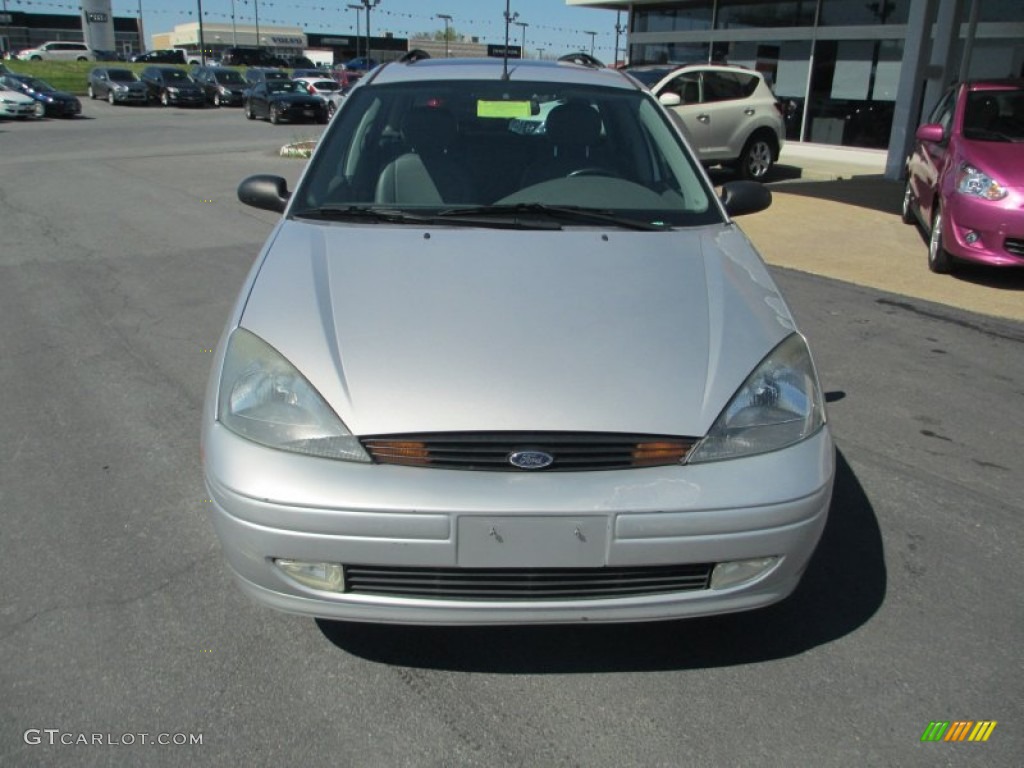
{"points": [[856, 73]]}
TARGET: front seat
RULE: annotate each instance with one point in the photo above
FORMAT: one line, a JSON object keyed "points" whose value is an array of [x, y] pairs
{"points": [[430, 173], [573, 131]]}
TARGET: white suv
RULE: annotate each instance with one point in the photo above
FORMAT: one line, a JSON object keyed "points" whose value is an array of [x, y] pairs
{"points": [[728, 113], [58, 51]]}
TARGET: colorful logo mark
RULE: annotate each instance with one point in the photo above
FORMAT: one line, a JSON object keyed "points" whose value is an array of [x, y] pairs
{"points": [[958, 730]]}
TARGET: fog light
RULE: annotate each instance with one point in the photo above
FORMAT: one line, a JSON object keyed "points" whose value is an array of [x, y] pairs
{"points": [[736, 572], [971, 238], [329, 577]]}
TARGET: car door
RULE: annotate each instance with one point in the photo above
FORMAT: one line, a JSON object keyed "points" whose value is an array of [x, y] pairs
{"points": [[259, 99], [928, 159], [689, 114], [726, 112]]}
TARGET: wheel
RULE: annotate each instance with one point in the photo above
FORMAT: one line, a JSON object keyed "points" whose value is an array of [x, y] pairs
{"points": [[82, 58], [165, 99], [331, 109], [275, 115], [907, 213], [216, 99], [110, 97], [248, 112], [37, 58], [939, 260], [756, 159], [92, 93]]}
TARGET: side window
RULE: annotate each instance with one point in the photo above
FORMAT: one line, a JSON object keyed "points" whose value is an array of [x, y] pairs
{"points": [[686, 86], [721, 86], [943, 111]]}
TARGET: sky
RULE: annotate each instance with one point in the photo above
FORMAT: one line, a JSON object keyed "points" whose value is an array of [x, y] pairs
{"points": [[553, 25]]}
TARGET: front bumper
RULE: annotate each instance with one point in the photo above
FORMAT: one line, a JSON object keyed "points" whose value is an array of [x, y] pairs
{"points": [[17, 110], [296, 112], [131, 97], [187, 99], [268, 505], [986, 232]]}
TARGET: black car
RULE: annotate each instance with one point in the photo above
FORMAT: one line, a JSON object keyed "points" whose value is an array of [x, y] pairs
{"points": [[223, 86], [284, 100], [117, 85], [162, 56], [108, 55], [239, 56], [170, 85], [56, 103]]}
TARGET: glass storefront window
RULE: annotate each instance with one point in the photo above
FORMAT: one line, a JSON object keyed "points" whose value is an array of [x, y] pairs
{"points": [[745, 14], [667, 53], [995, 10], [853, 90], [786, 67], [677, 17], [845, 13]]}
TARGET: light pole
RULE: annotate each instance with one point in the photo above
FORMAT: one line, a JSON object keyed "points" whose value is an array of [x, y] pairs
{"points": [[256, 5], [202, 47], [592, 36], [234, 29], [619, 29], [509, 18], [522, 48], [447, 20], [368, 4], [357, 9], [540, 54], [142, 35]]}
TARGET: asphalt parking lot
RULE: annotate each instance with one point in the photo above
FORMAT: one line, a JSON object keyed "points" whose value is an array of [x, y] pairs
{"points": [[123, 250]]}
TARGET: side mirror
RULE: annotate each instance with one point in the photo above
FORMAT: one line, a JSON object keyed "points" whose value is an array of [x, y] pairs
{"points": [[931, 132], [264, 191], [743, 197], [670, 99]]}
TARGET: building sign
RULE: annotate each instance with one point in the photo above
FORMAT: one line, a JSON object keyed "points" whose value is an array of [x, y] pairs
{"points": [[97, 18], [282, 40], [335, 41], [500, 51]]}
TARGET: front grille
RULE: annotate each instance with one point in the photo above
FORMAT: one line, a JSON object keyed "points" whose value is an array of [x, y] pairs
{"points": [[525, 583], [1014, 245], [569, 451]]}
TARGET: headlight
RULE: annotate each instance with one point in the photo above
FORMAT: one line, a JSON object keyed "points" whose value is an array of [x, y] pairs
{"points": [[224, 91], [172, 90], [264, 398], [971, 181], [778, 405], [120, 88]]}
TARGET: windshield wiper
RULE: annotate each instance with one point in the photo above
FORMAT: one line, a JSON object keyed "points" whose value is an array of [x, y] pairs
{"points": [[559, 212], [363, 213], [378, 214]]}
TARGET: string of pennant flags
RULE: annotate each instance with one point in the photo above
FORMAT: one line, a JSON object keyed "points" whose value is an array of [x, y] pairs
{"points": [[267, 10]]}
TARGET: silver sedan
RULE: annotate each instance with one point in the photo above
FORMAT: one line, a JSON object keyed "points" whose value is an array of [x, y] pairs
{"points": [[506, 358]]}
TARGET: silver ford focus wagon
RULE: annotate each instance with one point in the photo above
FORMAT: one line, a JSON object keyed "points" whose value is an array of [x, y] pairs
{"points": [[506, 358]]}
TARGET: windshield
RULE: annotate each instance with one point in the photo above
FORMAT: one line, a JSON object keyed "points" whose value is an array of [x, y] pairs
{"points": [[38, 85], [436, 147], [122, 75], [282, 86], [650, 77], [230, 77], [176, 76], [995, 115]]}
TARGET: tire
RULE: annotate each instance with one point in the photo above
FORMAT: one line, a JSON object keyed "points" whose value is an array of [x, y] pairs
{"points": [[756, 160], [165, 99], [907, 215], [331, 109], [275, 116], [92, 93], [37, 58], [248, 112], [216, 99], [939, 259], [110, 97]]}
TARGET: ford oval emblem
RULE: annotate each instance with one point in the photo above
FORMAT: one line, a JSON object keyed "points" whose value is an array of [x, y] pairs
{"points": [[531, 459]]}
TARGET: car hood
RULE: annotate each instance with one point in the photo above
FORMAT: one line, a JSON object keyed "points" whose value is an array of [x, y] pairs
{"points": [[403, 329], [1002, 159]]}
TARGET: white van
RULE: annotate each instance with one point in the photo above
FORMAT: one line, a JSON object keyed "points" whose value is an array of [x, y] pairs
{"points": [[58, 51]]}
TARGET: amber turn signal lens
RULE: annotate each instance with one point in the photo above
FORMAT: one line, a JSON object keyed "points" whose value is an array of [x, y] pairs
{"points": [[659, 453]]}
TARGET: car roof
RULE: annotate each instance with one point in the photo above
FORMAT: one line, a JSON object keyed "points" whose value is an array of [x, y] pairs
{"points": [[493, 69]]}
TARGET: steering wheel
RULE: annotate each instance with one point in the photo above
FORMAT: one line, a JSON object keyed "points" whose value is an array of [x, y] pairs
{"points": [[593, 171]]}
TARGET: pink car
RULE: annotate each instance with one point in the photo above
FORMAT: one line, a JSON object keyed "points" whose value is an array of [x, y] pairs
{"points": [[965, 177]]}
